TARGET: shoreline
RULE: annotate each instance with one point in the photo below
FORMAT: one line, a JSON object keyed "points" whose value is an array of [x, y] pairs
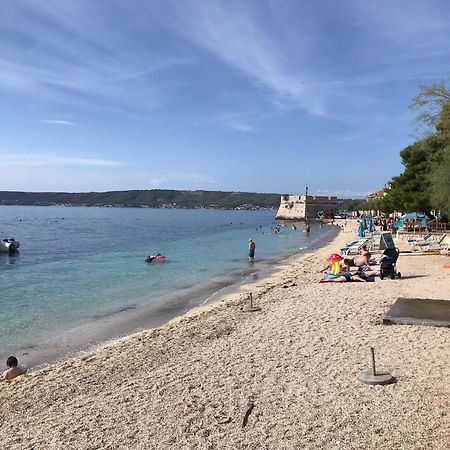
{"points": [[281, 378], [86, 338]]}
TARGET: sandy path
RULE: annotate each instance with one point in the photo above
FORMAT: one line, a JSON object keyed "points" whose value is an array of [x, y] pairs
{"points": [[189, 384]]}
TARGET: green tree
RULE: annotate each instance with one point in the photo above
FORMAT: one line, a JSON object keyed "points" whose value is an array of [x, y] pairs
{"points": [[440, 184], [430, 101], [411, 190], [424, 185]]}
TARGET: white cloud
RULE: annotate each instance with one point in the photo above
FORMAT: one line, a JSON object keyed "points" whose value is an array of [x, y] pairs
{"points": [[289, 52], [59, 122], [25, 160], [81, 60], [285, 49], [236, 36], [238, 121], [180, 180], [239, 126]]}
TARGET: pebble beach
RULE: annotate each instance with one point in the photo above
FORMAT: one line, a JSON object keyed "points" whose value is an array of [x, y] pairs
{"points": [[284, 377]]}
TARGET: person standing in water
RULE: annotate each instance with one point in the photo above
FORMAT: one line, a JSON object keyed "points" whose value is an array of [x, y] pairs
{"points": [[251, 250]]}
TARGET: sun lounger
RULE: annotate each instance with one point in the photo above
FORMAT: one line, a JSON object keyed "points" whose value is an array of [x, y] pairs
{"points": [[354, 247], [430, 245], [425, 239]]}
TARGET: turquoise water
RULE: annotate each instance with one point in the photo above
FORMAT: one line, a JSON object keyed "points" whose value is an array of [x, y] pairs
{"points": [[81, 265]]}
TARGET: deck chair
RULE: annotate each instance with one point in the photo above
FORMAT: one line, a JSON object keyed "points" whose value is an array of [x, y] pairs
{"points": [[430, 245], [425, 239], [354, 247]]}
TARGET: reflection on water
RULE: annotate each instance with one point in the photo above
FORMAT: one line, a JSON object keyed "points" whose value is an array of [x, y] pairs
{"points": [[7, 259]]}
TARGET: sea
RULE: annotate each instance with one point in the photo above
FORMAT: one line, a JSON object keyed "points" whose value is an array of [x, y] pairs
{"points": [[80, 277]]}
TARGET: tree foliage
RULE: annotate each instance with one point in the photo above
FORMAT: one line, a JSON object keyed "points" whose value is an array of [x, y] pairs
{"points": [[430, 101], [424, 184], [440, 184]]}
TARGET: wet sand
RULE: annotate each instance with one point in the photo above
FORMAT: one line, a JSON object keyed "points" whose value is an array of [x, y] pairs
{"points": [[281, 378]]}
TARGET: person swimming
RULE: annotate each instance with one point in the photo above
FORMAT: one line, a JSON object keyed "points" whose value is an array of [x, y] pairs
{"points": [[151, 258]]}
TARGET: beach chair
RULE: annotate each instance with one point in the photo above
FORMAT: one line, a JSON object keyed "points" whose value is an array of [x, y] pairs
{"points": [[430, 245], [425, 239], [354, 247]]}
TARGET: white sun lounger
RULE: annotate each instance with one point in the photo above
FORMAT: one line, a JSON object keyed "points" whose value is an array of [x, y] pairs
{"points": [[425, 239], [353, 247], [430, 245]]}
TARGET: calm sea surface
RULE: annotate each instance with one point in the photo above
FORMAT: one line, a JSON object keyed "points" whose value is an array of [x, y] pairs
{"points": [[84, 266]]}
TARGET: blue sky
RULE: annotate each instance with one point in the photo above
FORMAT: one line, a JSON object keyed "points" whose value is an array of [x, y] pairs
{"points": [[244, 95]]}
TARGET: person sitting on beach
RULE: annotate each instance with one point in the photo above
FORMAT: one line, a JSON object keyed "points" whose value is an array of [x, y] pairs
{"points": [[336, 264], [364, 249], [345, 277], [336, 267], [12, 371], [358, 261]]}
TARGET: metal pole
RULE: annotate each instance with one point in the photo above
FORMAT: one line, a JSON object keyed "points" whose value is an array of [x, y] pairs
{"points": [[374, 372], [251, 300]]}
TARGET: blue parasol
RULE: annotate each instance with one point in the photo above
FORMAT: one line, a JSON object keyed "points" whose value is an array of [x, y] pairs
{"points": [[362, 227], [369, 224]]}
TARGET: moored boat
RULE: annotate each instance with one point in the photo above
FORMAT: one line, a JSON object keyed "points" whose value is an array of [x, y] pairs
{"points": [[9, 246]]}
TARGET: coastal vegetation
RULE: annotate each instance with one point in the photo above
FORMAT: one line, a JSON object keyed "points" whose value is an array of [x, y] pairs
{"points": [[155, 198], [424, 184]]}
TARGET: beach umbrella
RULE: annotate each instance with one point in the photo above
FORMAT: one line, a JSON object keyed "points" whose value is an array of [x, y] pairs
{"points": [[413, 216], [335, 257], [424, 222], [361, 228], [369, 224]]}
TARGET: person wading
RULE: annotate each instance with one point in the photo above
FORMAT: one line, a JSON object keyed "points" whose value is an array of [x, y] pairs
{"points": [[251, 250]]}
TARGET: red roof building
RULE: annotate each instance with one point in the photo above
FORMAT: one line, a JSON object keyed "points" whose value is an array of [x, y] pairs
{"points": [[378, 194]]}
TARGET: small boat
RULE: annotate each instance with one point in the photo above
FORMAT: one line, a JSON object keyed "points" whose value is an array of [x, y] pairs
{"points": [[156, 258], [9, 246]]}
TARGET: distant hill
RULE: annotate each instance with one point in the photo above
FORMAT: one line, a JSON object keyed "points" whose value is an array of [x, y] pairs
{"points": [[155, 198]]}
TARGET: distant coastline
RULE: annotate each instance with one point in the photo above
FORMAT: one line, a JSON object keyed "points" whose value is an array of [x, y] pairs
{"points": [[155, 198]]}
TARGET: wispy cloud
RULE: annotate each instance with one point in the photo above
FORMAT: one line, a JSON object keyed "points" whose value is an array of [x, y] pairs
{"points": [[242, 122], [351, 138], [284, 50], [59, 122], [240, 126], [287, 51], [48, 160], [180, 180], [237, 37], [77, 59]]}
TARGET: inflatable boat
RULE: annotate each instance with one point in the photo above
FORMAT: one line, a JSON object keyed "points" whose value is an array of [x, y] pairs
{"points": [[156, 258], [9, 246]]}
